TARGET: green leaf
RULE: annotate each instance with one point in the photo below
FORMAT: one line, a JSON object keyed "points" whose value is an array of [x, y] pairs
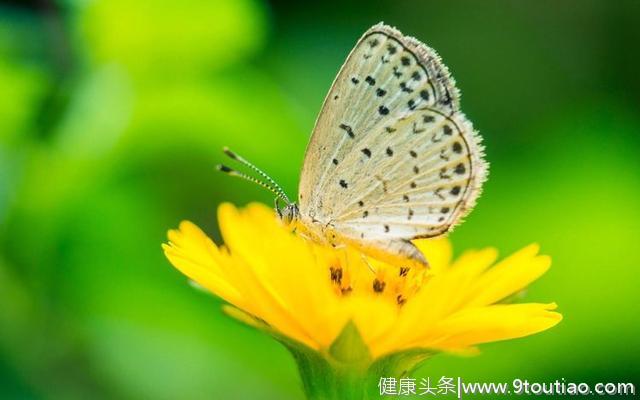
{"points": [[349, 347]]}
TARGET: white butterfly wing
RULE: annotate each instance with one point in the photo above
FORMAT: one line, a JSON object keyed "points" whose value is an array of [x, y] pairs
{"points": [[391, 157]]}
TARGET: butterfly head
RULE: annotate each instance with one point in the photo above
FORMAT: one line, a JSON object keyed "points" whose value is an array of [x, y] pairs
{"points": [[288, 214]]}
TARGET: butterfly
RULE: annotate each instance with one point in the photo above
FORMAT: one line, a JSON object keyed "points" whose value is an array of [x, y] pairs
{"points": [[391, 157]]}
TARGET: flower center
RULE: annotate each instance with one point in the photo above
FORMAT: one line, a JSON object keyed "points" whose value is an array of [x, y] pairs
{"points": [[398, 284]]}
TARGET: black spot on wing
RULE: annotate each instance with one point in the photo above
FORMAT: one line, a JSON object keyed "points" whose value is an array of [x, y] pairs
{"points": [[348, 129], [405, 88], [443, 155], [443, 174]]}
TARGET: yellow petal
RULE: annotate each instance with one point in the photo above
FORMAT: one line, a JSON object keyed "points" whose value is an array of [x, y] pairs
{"points": [[440, 296], [492, 323], [244, 317], [287, 269], [374, 316], [438, 252], [509, 276], [193, 254]]}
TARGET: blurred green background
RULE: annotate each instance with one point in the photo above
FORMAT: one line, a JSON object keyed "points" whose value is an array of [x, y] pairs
{"points": [[112, 116]]}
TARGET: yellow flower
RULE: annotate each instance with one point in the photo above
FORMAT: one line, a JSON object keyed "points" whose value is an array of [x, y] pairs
{"points": [[313, 296]]}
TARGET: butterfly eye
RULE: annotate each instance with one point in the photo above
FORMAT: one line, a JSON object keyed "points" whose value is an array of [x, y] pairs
{"points": [[290, 213]]}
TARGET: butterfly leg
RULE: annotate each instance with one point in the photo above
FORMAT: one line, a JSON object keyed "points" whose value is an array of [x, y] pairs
{"points": [[365, 260]]}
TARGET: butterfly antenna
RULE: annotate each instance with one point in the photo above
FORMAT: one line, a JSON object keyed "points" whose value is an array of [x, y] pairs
{"points": [[233, 172], [273, 183]]}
